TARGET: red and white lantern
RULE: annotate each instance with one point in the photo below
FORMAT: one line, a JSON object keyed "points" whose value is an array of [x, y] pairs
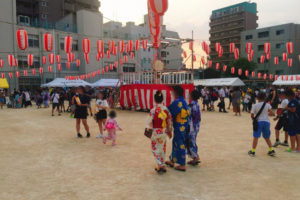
{"points": [[87, 58], [97, 57], [22, 39], [224, 68], [30, 59], [11, 60], [59, 67], [271, 76], [246, 73], [100, 46], [16, 62], [268, 56], [259, 75], [77, 62], [17, 74], [290, 47], [51, 58], [145, 44], [121, 46], [33, 71], [137, 45], [125, 59], [86, 45], [217, 66], [1, 63], [220, 53], [232, 70], [108, 54], [159, 7], [284, 57], [48, 41], [41, 70], [68, 44], [236, 53], [25, 73], [240, 72], [44, 60], [68, 65], [58, 59], [10, 74], [130, 45], [232, 47], [210, 63], [290, 62], [116, 64], [2, 75], [262, 59], [217, 47], [249, 47], [276, 60], [265, 76], [267, 47], [49, 68]]}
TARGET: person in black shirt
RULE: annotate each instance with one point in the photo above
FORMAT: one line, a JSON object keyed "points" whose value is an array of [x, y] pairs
{"points": [[89, 93], [81, 101]]}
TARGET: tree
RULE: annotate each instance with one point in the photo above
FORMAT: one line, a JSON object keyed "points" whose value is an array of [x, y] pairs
{"points": [[241, 63]]}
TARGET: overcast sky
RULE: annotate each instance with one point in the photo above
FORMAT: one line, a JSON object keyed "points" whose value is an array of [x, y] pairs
{"points": [[184, 16]]}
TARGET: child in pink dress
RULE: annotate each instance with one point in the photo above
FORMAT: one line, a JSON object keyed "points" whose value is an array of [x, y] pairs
{"points": [[111, 126]]}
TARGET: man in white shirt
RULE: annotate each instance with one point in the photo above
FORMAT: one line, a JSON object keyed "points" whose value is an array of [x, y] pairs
{"points": [[263, 123], [282, 120], [55, 102]]}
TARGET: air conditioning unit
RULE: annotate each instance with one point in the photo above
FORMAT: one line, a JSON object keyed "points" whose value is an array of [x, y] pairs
{"points": [[23, 20]]}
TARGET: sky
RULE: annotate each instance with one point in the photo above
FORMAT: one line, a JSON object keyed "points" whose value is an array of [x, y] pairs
{"points": [[184, 16]]}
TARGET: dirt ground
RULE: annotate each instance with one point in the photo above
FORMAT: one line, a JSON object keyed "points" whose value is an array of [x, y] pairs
{"points": [[41, 158]]}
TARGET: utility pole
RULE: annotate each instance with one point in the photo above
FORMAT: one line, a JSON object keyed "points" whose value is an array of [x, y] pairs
{"points": [[192, 51]]}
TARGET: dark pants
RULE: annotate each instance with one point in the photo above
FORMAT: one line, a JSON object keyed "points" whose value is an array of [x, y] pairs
{"points": [[222, 105]]}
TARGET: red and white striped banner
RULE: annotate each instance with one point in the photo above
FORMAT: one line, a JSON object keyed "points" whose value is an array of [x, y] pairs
{"points": [[141, 96]]}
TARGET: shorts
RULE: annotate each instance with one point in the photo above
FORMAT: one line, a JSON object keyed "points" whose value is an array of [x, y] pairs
{"points": [[264, 129], [55, 105], [102, 114], [294, 132], [282, 123], [80, 113]]}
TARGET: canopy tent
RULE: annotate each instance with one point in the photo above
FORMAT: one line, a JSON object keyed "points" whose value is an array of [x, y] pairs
{"points": [[107, 83], [3, 83], [62, 82], [287, 80], [219, 82]]}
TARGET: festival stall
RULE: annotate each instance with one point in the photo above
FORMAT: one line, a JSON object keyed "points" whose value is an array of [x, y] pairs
{"points": [[62, 82], [217, 82], [141, 96], [3, 83], [288, 80], [107, 83]]}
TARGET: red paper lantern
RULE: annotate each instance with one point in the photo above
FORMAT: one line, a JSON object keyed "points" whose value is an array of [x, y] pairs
{"points": [[154, 19], [121, 61], [48, 41], [137, 45], [145, 44], [290, 47], [276, 77], [209, 63], [2, 75], [87, 58], [106, 68], [30, 59], [236, 53], [16, 62], [271, 76], [249, 47], [232, 47], [159, 7], [262, 59], [130, 45], [265, 76], [220, 53], [99, 72], [59, 67], [116, 64], [44, 60], [25, 73], [17, 74], [253, 74], [100, 46], [267, 47], [108, 54], [111, 67], [68, 65], [49, 68], [68, 44], [276, 60], [86, 45], [132, 55], [51, 58], [217, 47], [41, 70], [249, 57], [125, 59], [103, 71], [22, 39], [208, 50], [240, 72], [224, 68], [58, 59], [259, 75], [246, 73], [290, 62], [97, 57], [217, 66], [10, 74], [121, 46], [268, 56], [204, 46], [284, 57], [1, 63], [11, 60], [232, 70]]}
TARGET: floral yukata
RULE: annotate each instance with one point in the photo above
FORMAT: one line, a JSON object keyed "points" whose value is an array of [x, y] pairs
{"points": [[111, 126], [159, 120], [193, 130], [180, 114]]}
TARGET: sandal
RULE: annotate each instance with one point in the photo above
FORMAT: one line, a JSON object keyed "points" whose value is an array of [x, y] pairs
{"points": [[194, 162], [180, 169], [170, 164]]}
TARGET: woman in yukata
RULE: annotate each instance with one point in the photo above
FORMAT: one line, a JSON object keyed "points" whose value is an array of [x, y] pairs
{"points": [[180, 115]]}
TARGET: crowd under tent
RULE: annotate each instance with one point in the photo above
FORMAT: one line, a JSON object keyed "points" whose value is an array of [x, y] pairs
{"points": [[62, 82], [218, 82], [288, 80], [3, 83], [107, 83]]}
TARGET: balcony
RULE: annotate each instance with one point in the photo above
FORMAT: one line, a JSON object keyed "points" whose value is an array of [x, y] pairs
{"points": [[232, 27]]}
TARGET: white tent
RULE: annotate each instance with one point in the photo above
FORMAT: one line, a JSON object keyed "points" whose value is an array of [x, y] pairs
{"points": [[62, 82], [287, 80], [219, 82], [107, 83]]}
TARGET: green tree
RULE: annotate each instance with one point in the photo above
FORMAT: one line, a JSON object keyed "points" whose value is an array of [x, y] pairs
{"points": [[241, 63]]}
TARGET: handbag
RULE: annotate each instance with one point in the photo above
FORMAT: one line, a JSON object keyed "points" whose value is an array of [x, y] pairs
{"points": [[148, 133], [255, 122]]}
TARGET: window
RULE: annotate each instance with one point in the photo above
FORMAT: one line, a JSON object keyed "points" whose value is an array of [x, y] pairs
{"points": [[43, 3], [22, 62], [279, 45], [128, 67], [260, 47], [163, 54], [280, 32], [44, 16], [249, 37], [263, 34], [33, 41]]}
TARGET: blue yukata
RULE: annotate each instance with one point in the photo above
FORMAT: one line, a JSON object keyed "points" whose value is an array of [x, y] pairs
{"points": [[193, 130], [180, 114]]}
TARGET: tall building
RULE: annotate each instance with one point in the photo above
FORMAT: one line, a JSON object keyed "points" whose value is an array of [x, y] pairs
{"points": [[277, 36], [226, 25], [170, 52], [88, 23]]}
